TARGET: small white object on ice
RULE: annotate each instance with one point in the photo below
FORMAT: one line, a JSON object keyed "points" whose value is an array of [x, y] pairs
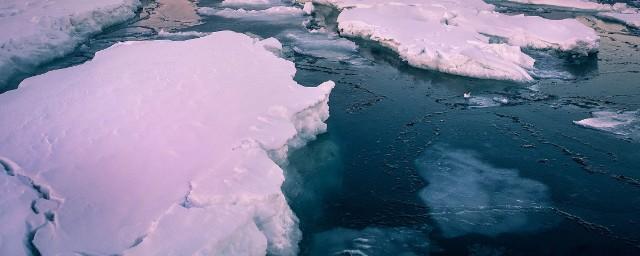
{"points": [[467, 95], [157, 148]]}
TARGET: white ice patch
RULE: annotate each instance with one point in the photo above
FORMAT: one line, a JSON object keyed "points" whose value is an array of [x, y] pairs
{"points": [[455, 36], [370, 241], [466, 195], [34, 32], [160, 147], [621, 123]]}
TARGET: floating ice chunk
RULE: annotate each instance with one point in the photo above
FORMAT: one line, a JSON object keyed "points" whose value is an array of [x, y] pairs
{"points": [[631, 19], [321, 45], [619, 12], [161, 147], [370, 241], [577, 4], [622, 123], [456, 36], [37, 31], [466, 195], [277, 12]]}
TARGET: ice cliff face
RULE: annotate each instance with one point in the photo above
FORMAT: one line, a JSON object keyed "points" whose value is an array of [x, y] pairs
{"points": [[37, 31], [460, 37], [156, 147]]}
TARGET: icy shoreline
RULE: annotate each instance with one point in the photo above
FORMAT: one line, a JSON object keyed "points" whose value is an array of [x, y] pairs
{"points": [[465, 38], [34, 32], [141, 153]]}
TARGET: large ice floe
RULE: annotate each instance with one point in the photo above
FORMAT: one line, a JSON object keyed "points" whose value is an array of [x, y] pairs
{"points": [[156, 148], [462, 37], [622, 123], [619, 12], [36, 31], [467, 195]]}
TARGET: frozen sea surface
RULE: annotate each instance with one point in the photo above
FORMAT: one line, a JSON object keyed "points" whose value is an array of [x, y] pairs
{"points": [[367, 179]]}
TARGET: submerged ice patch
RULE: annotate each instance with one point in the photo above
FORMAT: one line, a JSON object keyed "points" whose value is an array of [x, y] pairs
{"points": [[466, 195], [370, 241]]}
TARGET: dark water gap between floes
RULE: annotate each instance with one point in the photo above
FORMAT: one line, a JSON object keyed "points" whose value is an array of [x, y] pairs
{"points": [[371, 182]]}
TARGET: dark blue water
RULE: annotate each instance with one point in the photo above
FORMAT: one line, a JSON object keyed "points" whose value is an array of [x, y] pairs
{"points": [[411, 167]]}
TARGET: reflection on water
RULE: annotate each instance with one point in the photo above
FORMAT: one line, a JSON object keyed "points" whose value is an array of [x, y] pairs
{"points": [[466, 195]]}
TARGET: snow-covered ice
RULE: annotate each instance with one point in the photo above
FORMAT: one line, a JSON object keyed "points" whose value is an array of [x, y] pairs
{"points": [[621, 123], [458, 37], [157, 147], [36, 31], [619, 12], [466, 195]]}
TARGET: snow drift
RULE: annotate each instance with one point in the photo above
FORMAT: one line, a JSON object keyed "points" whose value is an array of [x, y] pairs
{"points": [[37, 31], [461, 37], [156, 147]]}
